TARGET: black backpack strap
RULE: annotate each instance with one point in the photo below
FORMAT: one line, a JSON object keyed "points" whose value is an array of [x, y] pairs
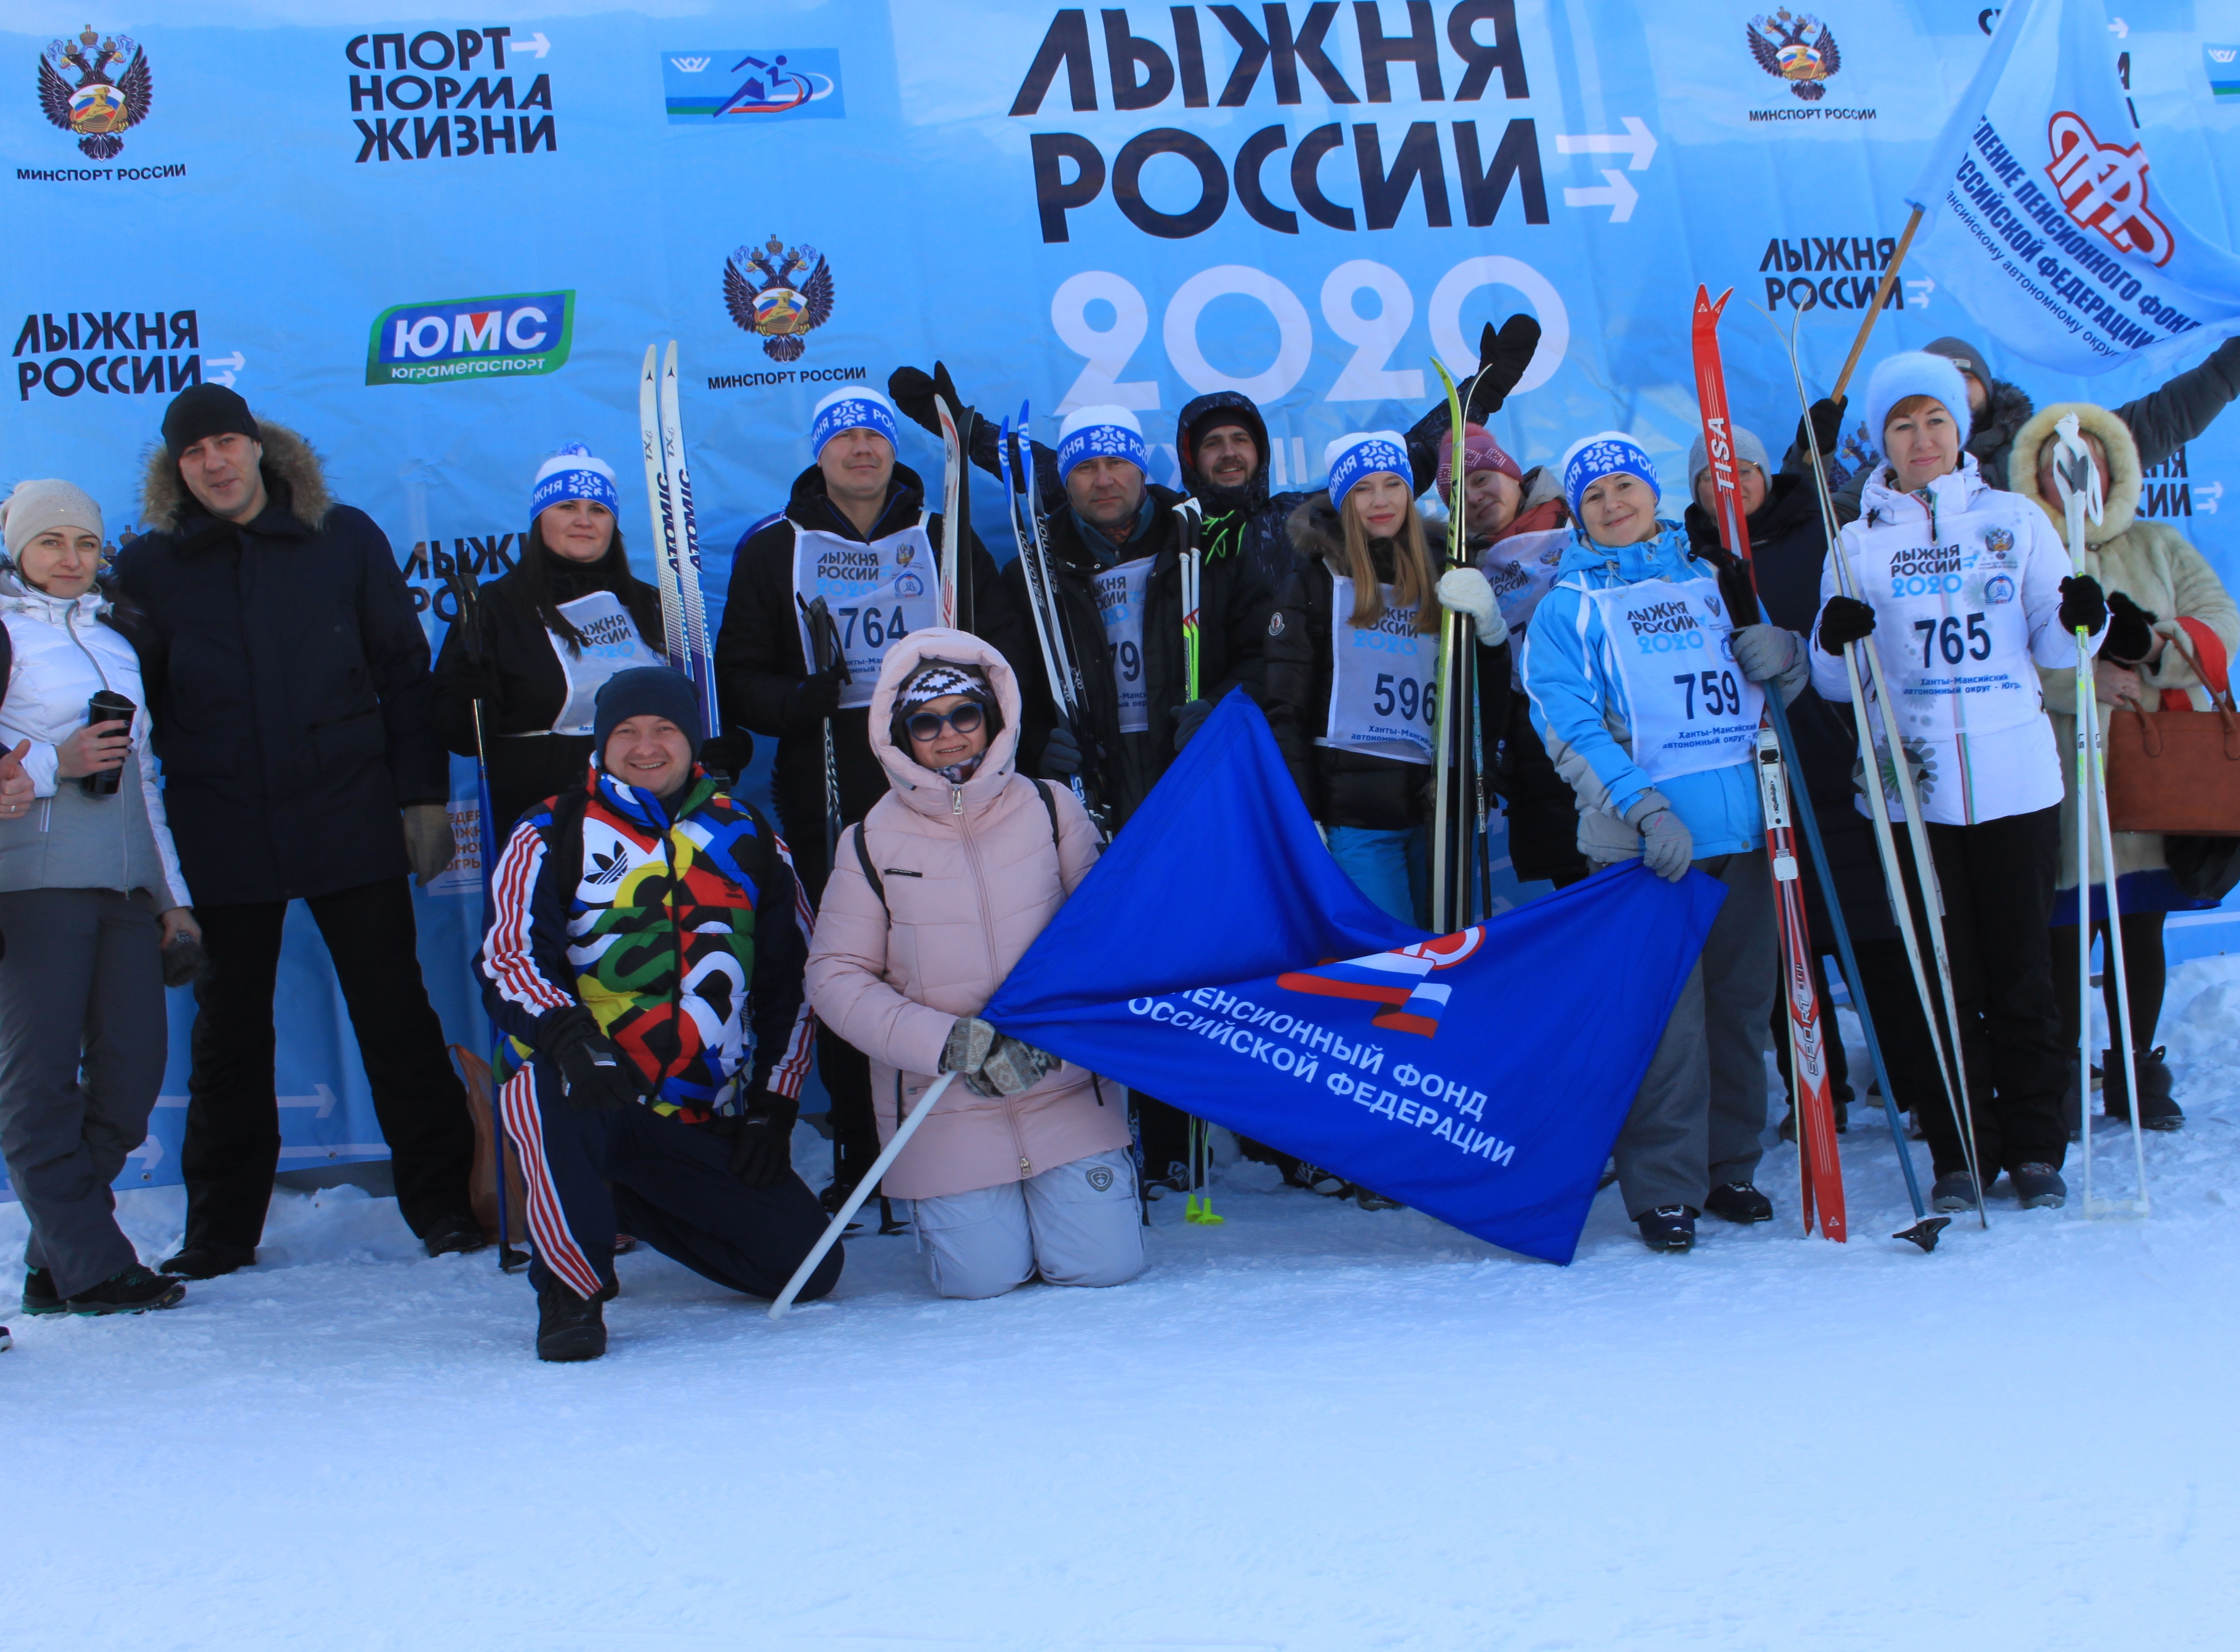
{"points": [[870, 872], [1045, 789]]}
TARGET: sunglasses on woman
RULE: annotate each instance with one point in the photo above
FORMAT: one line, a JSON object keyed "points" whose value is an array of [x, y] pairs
{"points": [[928, 725]]}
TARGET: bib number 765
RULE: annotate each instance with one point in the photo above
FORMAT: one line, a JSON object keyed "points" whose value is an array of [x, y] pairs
{"points": [[1722, 695], [1946, 639]]}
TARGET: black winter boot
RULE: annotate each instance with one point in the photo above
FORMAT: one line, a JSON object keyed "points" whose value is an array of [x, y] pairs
{"points": [[2156, 1110], [453, 1235], [1954, 1192], [129, 1290], [208, 1262], [568, 1327], [1669, 1227], [39, 1295], [2038, 1185], [1739, 1201]]}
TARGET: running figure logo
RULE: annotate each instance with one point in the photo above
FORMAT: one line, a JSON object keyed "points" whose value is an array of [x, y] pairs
{"points": [[101, 106], [778, 293], [1400, 980]]}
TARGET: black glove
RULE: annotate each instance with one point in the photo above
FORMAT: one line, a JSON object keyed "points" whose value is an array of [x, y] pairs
{"points": [[762, 1142], [594, 1075], [2082, 607], [1061, 755], [1846, 619], [1189, 717], [2130, 631], [815, 698], [475, 680], [910, 389], [1502, 359], [728, 754], [1826, 420], [184, 962]]}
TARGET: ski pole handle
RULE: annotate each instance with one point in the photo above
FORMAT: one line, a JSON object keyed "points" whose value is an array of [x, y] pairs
{"points": [[854, 1203]]}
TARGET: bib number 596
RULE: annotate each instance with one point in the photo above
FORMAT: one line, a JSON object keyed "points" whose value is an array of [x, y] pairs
{"points": [[1413, 700]]}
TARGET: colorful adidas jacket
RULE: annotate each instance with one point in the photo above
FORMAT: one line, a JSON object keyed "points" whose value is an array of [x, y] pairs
{"points": [[685, 938]]}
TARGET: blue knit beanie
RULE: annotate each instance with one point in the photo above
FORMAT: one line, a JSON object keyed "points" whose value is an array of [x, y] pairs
{"points": [[1091, 432], [856, 408], [1606, 453], [572, 473], [1916, 372], [1360, 454], [645, 691]]}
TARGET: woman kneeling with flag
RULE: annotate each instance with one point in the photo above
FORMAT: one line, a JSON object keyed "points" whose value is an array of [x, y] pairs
{"points": [[1024, 1169]]}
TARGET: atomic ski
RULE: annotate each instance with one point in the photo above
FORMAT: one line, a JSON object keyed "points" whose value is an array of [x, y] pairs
{"points": [[1015, 454], [956, 423], [677, 533], [1820, 1167]]}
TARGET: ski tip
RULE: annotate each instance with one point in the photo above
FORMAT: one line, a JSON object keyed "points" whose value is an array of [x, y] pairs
{"points": [[652, 357], [1924, 1232]]}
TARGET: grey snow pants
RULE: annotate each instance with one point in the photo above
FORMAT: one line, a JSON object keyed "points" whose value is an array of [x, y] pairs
{"points": [[1074, 1224], [1701, 1107], [82, 1048]]}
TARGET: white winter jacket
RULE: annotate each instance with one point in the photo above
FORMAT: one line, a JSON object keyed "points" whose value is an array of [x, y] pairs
{"points": [[63, 654], [1965, 581]]}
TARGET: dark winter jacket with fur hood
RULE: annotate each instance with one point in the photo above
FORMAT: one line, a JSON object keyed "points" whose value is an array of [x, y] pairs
{"points": [[288, 676], [1346, 788]]}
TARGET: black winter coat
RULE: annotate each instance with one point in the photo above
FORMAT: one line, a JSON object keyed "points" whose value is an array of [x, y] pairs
{"points": [[288, 677], [1789, 546], [1247, 519], [1348, 788], [760, 665], [525, 762], [1233, 605]]}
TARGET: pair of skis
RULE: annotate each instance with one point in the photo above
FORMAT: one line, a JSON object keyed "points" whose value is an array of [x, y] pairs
{"points": [[1862, 666], [685, 638], [1460, 871], [2076, 479]]}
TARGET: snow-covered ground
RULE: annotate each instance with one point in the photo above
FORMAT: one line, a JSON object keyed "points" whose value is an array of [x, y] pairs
{"points": [[1312, 1427]]}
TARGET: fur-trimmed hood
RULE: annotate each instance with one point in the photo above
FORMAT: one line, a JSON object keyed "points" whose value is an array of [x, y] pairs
{"points": [[165, 502], [1314, 531], [2121, 507]]}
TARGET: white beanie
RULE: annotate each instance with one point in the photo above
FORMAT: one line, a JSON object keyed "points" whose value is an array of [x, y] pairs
{"points": [[35, 506], [1916, 372]]}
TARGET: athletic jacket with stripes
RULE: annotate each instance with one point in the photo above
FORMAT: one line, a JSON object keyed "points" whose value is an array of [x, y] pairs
{"points": [[685, 939]]}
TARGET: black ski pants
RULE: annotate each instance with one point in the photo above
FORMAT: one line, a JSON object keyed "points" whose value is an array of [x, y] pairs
{"points": [[232, 1144], [845, 1070], [590, 1173], [1997, 881], [2146, 971]]}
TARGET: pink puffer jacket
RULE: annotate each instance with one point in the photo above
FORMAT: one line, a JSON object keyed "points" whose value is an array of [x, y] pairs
{"points": [[972, 875]]}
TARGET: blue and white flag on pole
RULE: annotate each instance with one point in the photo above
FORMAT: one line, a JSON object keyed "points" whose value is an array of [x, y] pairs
{"points": [[2042, 217], [1217, 958]]}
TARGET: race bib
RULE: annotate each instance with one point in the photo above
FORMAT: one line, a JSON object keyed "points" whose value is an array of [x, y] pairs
{"points": [[1521, 569], [1950, 626], [610, 644], [1385, 693], [1121, 593], [878, 594], [1692, 708]]}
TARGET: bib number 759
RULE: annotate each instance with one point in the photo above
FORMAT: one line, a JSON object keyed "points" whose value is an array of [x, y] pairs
{"points": [[1722, 695]]}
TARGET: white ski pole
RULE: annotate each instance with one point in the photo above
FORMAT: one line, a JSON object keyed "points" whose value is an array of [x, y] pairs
{"points": [[2077, 480], [854, 1201]]}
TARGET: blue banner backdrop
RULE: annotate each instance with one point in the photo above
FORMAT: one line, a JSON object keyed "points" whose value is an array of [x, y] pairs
{"points": [[439, 248]]}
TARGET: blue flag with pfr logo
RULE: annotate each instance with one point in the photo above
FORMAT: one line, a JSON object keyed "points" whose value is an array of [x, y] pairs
{"points": [[1217, 958]]}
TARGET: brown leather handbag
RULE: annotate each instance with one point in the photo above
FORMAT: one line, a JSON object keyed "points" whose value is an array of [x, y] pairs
{"points": [[2177, 770]]}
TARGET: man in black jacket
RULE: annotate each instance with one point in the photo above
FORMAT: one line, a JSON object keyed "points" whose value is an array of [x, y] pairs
{"points": [[856, 532], [288, 677]]}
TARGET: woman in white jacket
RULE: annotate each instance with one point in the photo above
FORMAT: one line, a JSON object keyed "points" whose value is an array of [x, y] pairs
{"points": [[1967, 594], [91, 895]]}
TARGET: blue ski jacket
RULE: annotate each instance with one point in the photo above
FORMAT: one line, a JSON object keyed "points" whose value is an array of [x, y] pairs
{"points": [[1578, 707]]}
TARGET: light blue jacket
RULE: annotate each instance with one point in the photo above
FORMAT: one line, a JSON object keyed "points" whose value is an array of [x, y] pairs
{"points": [[1579, 708]]}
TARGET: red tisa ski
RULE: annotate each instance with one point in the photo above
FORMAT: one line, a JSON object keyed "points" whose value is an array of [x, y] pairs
{"points": [[1820, 1169]]}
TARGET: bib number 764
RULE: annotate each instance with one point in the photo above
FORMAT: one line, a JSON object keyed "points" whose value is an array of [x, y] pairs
{"points": [[1722, 695], [1946, 639]]}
